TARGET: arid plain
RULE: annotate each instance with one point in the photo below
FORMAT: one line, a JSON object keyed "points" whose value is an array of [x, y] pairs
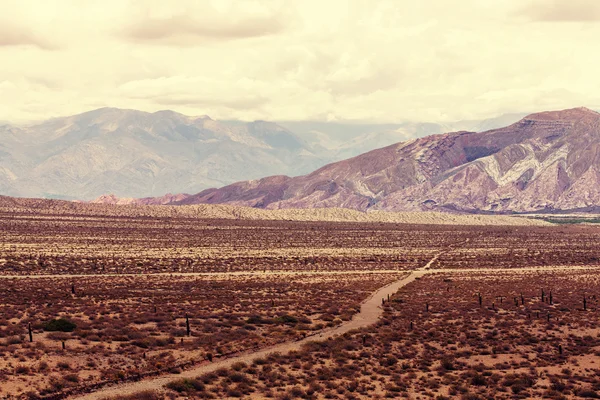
{"points": [[169, 302]]}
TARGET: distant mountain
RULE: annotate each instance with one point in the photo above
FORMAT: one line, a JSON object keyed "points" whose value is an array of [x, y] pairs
{"points": [[345, 140], [132, 153], [162, 200], [545, 161]]}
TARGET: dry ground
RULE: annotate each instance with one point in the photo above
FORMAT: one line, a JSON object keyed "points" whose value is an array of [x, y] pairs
{"points": [[127, 281], [435, 341]]}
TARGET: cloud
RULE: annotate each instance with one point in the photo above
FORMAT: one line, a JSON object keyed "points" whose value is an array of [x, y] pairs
{"points": [[185, 30], [195, 92], [233, 103], [380, 60], [562, 11], [13, 35]]}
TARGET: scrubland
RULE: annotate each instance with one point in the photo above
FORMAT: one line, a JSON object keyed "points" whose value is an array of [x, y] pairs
{"points": [[131, 297], [134, 326], [436, 341]]}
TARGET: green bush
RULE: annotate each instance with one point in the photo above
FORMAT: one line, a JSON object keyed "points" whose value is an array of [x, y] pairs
{"points": [[59, 325]]}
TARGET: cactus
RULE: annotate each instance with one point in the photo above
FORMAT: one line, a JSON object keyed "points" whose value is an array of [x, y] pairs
{"points": [[584, 303], [30, 332], [543, 294], [187, 325], [522, 300]]}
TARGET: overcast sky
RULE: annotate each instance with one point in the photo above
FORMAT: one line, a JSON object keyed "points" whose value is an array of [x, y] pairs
{"points": [[380, 61]]}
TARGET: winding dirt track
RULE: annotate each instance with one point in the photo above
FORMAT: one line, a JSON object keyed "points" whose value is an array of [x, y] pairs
{"points": [[370, 312]]}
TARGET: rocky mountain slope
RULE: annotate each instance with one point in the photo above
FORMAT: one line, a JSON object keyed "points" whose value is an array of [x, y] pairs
{"points": [[131, 153], [543, 162], [134, 153]]}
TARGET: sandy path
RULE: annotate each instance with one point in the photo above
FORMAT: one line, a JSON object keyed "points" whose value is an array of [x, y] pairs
{"points": [[370, 312]]}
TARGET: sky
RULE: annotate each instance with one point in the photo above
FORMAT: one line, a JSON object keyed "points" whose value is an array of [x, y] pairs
{"points": [[325, 60]]}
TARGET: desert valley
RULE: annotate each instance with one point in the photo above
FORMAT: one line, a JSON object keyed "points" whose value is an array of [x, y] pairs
{"points": [[277, 199], [151, 302], [433, 268]]}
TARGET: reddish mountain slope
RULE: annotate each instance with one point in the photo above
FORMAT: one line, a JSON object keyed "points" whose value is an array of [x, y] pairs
{"points": [[548, 160]]}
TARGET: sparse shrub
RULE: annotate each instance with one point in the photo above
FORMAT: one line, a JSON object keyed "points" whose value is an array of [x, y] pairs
{"points": [[59, 325]]}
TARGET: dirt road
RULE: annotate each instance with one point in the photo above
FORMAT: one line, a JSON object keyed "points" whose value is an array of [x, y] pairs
{"points": [[370, 312]]}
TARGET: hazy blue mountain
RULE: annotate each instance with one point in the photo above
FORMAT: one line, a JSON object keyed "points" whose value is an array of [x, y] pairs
{"points": [[132, 153], [345, 140]]}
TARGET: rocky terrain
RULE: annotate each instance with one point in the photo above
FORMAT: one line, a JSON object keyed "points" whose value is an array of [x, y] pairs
{"points": [[544, 162], [132, 153], [10, 206]]}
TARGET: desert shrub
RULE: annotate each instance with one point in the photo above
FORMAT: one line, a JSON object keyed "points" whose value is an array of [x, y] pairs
{"points": [[22, 370], [186, 386], [63, 365], [234, 393], [238, 377], [14, 340], [59, 325], [447, 364], [287, 319], [588, 394], [74, 378], [145, 395]]}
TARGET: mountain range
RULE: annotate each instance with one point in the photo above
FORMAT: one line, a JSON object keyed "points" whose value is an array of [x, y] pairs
{"points": [[130, 153], [544, 162], [134, 153]]}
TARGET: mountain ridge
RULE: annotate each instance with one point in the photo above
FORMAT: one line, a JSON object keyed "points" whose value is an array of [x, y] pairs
{"points": [[131, 152], [545, 161], [134, 153]]}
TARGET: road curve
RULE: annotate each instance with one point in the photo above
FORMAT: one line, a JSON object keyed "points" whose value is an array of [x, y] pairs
{"points": [[370, 311]]}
